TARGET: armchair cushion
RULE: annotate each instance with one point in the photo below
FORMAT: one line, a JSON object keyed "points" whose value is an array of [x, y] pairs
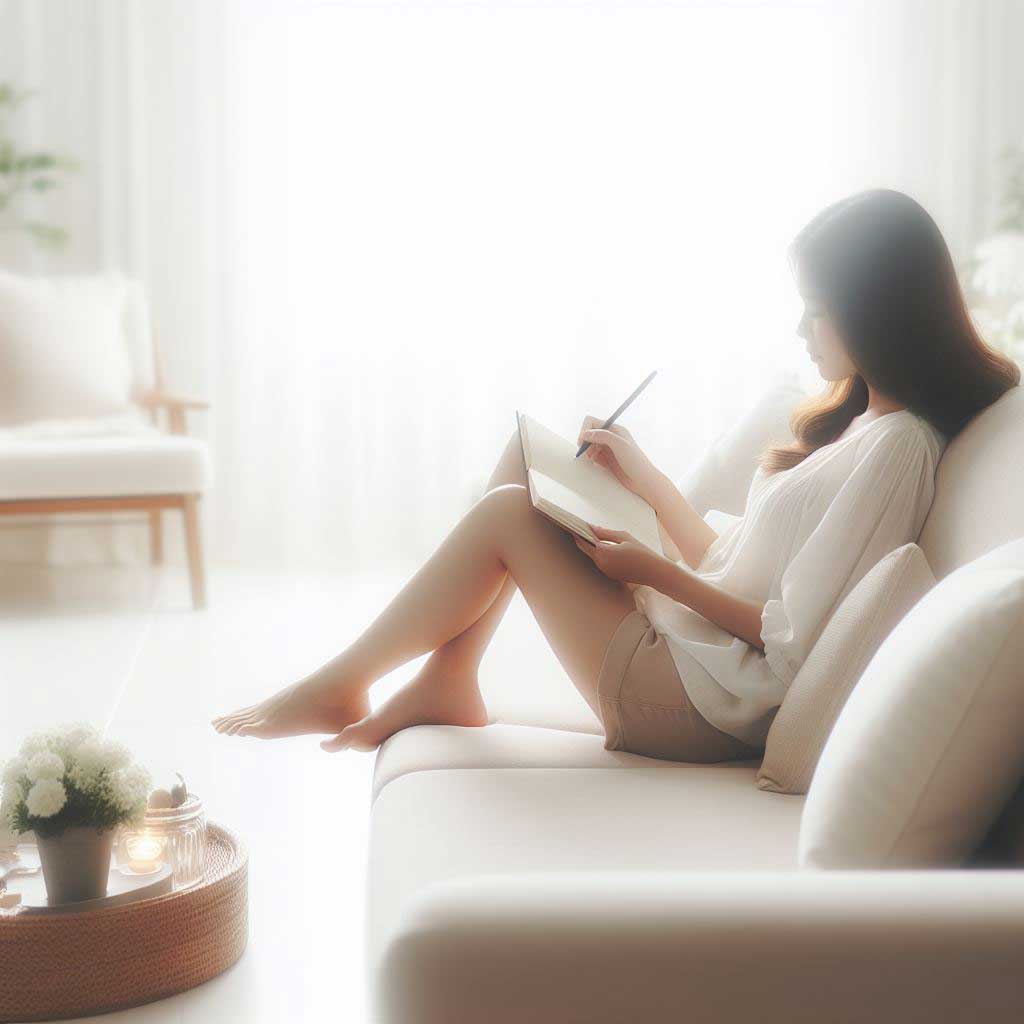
{"points": [[116, 465], [66, 346]]}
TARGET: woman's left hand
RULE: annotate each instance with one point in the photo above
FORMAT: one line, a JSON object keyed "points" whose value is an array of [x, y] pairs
{"points": [[620, 556]]}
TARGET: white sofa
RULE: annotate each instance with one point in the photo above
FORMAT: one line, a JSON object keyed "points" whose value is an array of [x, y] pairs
{"points": [[521, 872]]}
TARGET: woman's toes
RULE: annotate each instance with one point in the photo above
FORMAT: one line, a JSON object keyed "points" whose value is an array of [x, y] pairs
{"points": [[223, 720]]}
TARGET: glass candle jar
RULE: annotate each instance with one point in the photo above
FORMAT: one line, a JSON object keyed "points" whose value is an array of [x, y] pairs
{"points": [[168, 835]]}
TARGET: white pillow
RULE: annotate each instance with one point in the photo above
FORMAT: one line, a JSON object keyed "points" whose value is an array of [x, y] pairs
{"points": [[930, 745], [721, 477], [852, 635], [63, 349]]}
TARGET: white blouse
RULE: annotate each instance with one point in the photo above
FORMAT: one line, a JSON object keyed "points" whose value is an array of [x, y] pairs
{"points": [[808, 535]]}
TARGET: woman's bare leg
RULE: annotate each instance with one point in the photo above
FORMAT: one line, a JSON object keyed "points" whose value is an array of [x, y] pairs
{"points": [[577, 607], [453, 665]]}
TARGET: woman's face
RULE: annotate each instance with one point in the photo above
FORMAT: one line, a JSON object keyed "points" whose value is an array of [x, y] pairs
{"points": [[824, 345]]}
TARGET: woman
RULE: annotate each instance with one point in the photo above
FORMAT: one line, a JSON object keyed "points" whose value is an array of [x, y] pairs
{"points": [[688, 656]]}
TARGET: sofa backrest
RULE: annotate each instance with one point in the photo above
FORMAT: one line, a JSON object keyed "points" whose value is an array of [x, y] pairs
{"points": [[979, 488]]}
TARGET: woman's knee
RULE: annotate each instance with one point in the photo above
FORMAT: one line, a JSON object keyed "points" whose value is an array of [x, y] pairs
{"points": [[507, 501]]}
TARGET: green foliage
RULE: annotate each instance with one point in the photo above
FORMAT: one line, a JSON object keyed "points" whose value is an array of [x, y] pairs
{"points": [[25, 174]]}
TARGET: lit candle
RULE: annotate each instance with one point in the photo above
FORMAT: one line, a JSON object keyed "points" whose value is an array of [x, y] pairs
{"points": [[144, 852]]}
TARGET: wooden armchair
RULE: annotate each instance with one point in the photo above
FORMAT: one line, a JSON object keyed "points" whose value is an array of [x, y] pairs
{"points": [[71, 438]]}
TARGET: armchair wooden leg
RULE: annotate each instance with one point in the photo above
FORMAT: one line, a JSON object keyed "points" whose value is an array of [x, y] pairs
{"points": [[156, 537], [194, 546]]}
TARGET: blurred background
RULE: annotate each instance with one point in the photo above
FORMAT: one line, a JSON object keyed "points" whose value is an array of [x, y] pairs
{"points": [[369, 232], [355, 238]]}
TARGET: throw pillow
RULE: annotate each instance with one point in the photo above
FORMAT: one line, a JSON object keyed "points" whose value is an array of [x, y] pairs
{"points": [[827, 677], [930, 745]]}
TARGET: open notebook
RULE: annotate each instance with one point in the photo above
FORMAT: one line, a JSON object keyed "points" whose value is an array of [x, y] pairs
{"points": [[573, 492]]}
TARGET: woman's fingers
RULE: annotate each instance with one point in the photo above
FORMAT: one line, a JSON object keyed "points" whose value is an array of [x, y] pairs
{"points": [[605, 437], [585, 546], [589, 422], [604, 533]]}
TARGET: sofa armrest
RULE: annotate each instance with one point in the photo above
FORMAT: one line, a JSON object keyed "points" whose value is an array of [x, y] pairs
{"points": [[792, 947]]}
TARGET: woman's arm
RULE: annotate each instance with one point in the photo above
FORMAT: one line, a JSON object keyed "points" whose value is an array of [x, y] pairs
{"points": [[737, 615], [690, 534], [620, 556]]}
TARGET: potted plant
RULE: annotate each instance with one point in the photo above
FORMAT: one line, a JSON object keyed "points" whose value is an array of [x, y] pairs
{"points": [[72, 788]]}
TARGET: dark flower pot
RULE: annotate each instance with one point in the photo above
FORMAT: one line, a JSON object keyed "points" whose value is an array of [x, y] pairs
{"points": [[76, 863]]}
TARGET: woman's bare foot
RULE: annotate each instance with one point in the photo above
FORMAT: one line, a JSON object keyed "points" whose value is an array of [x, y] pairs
{"points": [[437, 695], [314, 704]]}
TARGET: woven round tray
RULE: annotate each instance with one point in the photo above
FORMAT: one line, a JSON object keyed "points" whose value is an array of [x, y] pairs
{"points": [[70, 965]]}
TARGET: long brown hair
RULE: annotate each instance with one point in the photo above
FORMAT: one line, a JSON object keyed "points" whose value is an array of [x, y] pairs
{"points": [[878, 263]]}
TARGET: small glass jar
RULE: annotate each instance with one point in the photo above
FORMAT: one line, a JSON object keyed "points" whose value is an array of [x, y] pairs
{"points": [[168, 835]]}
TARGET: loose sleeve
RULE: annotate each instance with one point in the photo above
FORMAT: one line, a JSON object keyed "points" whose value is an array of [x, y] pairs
{"points": [[879, 507]]}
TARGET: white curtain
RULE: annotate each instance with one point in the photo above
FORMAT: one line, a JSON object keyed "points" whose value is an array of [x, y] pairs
{"points": [[377, 230]]}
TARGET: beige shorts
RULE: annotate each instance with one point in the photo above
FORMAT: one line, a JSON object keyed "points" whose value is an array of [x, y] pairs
{"points": [[644, 705]]}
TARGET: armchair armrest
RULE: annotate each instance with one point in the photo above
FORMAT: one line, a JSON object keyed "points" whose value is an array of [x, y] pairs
{"points": [[154, 399], [175, 405], [722, 947]]}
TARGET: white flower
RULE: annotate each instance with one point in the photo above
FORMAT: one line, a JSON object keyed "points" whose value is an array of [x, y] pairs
{"points": [[129, 787], [36, 742], [44, 765], [70, 737], [45, 798], [117, 755], [90, 759]]}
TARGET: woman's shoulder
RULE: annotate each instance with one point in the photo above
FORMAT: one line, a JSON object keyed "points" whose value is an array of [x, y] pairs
{"points": [[904, 433]]}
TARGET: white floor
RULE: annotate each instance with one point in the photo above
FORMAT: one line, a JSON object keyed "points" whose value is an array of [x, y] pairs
{"points": [[121, 646]]}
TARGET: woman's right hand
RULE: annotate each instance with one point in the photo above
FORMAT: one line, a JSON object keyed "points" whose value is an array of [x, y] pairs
{"points": [[616, 450]]}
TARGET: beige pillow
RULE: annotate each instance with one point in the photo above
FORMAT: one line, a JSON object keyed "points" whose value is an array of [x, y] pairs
{"points": [[930, 746], [64, 351], [830, 672]]}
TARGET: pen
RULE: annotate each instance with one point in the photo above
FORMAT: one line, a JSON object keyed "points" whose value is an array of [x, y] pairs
{"points": [[618, 412]]}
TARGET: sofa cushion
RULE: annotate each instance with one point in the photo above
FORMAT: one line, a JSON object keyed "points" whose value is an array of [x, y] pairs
{"points": [[853, 634], [979, 497], [426, 748], [930, 746], [146, 462], [64, 346], [433, 826]]}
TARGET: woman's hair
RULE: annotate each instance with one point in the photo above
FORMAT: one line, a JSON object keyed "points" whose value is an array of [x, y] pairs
{"points": [[879, 265]]}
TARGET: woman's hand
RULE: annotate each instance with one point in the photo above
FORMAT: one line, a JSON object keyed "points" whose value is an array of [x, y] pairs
{"points": [[620, 556], [616, 450]]}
